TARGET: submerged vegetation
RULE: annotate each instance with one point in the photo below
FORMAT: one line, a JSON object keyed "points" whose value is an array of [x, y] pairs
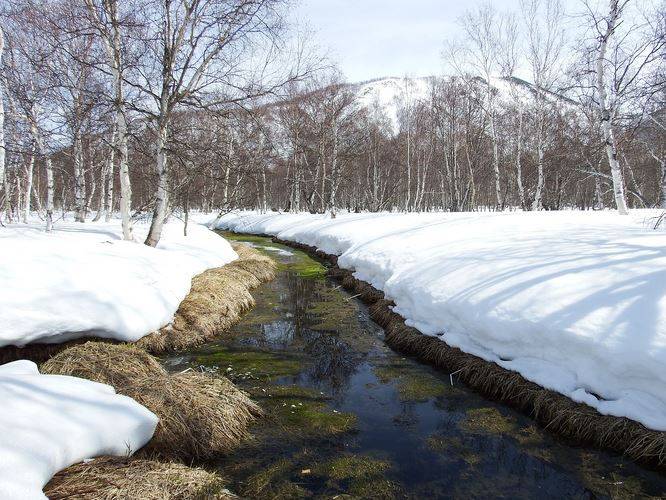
{"points": [[345, 416], [413, 383], [251, 363]]}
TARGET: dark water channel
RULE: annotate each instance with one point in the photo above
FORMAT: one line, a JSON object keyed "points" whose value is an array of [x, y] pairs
{"points": [[348, 417]]}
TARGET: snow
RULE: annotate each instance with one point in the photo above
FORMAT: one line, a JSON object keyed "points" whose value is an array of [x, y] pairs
{"points": [[50, 422], [574, 301], [389, 93], [82, 279]]}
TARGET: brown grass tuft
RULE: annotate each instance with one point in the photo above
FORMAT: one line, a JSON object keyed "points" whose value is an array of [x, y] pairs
{"points": [[216, 301], [108, 478], [200, 416]]}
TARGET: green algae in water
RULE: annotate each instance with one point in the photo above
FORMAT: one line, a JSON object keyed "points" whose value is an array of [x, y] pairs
{"points": [[354, 467], [412, 383], [332, 310], [361, 476], [258, 364], [304, 267], [272, 482], [487, 420], [304, 411], [247, 238], [453, 448]]}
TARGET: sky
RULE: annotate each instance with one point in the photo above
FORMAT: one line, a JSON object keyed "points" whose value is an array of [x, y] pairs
{"points": [[374, 38]]}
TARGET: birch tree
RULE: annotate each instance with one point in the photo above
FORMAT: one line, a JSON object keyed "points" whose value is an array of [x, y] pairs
{"points": [[545, 40], [203, 53], [481, 52], [2, 118], [106, 20], [623, 53]]}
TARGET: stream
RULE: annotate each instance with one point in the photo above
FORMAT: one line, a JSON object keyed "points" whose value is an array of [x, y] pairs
{"points": [[348, 417]]}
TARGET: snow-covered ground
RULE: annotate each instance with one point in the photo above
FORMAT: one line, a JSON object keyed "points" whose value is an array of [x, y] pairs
{"points": [[49, 422], [574, 301], [82, 279]]}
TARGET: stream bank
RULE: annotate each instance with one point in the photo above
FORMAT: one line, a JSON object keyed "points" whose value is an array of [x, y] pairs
{"points": [[577, 422], [200, 416], [346, 415]]}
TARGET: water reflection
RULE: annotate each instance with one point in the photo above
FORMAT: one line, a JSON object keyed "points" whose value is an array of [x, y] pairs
{"points": [[439, 441]]}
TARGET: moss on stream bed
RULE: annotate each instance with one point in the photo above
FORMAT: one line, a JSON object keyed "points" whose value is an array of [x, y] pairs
{"points": [[301, 411], [250, 364], [347, 417], [412, 383]]}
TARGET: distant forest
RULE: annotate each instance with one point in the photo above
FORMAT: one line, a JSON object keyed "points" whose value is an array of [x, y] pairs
{"points": [[155, 108]]}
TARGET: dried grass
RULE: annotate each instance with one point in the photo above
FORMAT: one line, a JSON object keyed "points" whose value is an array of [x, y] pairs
{"points": [[216, 301], [576, 421], [108, 478], [201, 416]]}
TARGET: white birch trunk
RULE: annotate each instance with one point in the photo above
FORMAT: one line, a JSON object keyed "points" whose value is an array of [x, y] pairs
{"points": [[493, 137], [79, 180], [335, 174], [50, 193], [108, 201], [50, 186], [112, 43], [661, 202], [519, 164], [105, 203], [409, 165], [29, 171], [2, 122], [606, 113], [161, 194], [537, 203]]}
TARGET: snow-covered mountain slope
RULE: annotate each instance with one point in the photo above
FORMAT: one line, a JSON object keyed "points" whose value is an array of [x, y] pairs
{"points": [[391, 93]]}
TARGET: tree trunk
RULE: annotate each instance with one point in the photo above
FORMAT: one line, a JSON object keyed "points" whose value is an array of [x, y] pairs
{"points": [[105, 202], [160, 209], [3, 183], [493, 137], [28, 184], [662, 184], [519, 164], [335, 173], [606, 114], [79, 179]]}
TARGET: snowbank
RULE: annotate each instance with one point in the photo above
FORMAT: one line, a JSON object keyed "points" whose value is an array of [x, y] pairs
{"points": [[82, 279], [574, 301], [50, 422]]}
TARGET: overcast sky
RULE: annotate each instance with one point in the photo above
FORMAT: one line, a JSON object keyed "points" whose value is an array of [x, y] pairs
{"points": [[374, 38]]}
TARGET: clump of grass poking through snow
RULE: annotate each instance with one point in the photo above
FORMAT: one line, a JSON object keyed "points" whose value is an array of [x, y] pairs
{"points": [[200, 416]]}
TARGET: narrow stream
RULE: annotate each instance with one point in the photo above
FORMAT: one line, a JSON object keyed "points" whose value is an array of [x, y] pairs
{"points": [[348, 416]]}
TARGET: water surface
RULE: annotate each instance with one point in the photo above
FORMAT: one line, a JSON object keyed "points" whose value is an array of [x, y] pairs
{"points": [[346, 415]]}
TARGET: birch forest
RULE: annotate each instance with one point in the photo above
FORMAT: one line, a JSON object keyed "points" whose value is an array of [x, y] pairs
{"points": [[155, 108]]}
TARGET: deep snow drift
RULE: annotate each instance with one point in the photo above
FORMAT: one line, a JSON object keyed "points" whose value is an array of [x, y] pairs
{"points": [[574, 301], [50, 422], [82, 279]]}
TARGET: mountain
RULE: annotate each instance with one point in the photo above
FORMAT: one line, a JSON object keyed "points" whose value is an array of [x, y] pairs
{"points": [[388, 92]]}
